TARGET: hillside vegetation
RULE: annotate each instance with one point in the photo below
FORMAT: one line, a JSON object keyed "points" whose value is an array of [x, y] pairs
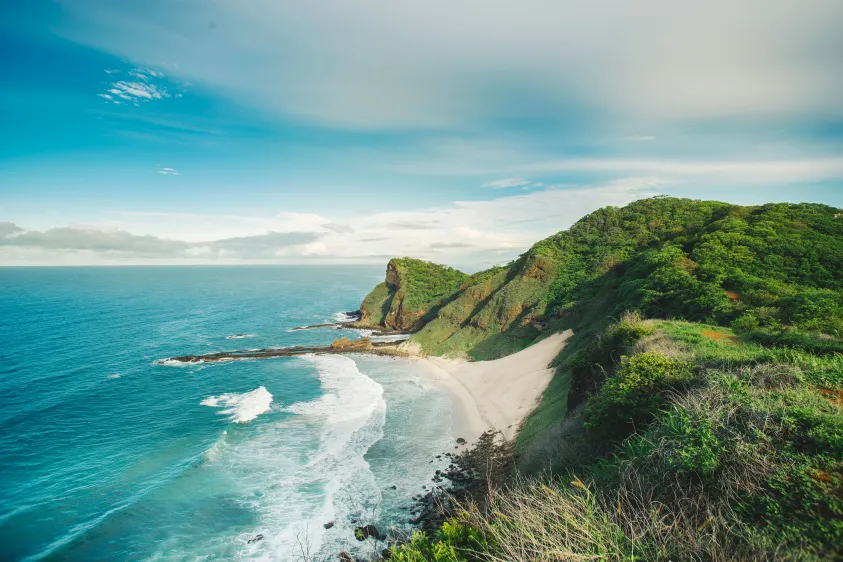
{"points": [[411, 294], [771, 270], [696, 412]]}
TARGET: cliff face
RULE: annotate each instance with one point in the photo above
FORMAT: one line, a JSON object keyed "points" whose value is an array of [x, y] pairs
{"points": [[761, 267], [412, 291]]}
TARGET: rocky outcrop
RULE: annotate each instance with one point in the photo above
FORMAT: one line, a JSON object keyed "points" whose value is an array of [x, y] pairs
{"points": [[346, 344], [411, 293], [367, 531], [342, 345]]}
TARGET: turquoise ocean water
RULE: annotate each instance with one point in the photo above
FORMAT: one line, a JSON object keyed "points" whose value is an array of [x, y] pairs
{"points": [[107, 455]]}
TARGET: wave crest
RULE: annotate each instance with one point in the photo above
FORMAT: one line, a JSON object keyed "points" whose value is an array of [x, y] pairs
{"points": [[241, 407]]}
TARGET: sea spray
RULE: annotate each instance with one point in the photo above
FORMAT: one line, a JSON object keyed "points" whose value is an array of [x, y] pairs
{"points": [[241, 407]]}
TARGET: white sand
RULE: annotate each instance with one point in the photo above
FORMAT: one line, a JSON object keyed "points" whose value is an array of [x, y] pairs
{"points": [[497, 394]]}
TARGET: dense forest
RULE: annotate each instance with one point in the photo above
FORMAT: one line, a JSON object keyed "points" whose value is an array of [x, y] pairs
{"points": [[696, 412]]}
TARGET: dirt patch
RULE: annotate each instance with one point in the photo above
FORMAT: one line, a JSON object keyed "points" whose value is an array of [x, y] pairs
{"points": [[822, 476], [833, 396], [717, 336], [732, 296]]}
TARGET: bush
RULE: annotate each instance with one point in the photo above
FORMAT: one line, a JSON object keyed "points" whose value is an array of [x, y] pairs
{"points": [[697, 447], [454, 542], [628, 330], [635, 393]]}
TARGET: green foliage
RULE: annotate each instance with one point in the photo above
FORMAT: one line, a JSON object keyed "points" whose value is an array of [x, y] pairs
{"points": [[424, 283], [454, 542], [376, 304], [630, 398], [698, 446], [772, 267], [736, 451], [628, 331], [414, 290], [712, 431], [803, 504]]}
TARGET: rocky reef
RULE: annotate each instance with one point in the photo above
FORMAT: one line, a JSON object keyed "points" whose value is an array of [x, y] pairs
{"points": [[342, 345]]}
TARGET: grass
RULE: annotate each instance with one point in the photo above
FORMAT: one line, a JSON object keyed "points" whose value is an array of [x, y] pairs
{"points": [[710, 430], [735, 453]]}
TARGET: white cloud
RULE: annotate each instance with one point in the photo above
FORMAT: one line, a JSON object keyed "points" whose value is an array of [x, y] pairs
{"points": [[735, 171], [726, 171], [138, 89], [438, 64], [506, 182], [639, 138], [169, 172]]}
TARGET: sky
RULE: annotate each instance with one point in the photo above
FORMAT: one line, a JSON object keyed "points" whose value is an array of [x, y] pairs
{"points": [[459, 131]]}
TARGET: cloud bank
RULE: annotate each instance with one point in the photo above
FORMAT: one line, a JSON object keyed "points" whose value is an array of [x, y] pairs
{"points": [[466, 232]]}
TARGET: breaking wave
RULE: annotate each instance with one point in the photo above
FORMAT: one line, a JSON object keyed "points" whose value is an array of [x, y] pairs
{"points": [[241, 407]]}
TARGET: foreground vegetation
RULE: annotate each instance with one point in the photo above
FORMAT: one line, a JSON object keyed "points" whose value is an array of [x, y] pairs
{"points": [[698, 445], [695, 414]]}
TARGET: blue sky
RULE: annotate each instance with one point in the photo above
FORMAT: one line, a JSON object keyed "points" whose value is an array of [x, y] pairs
{"points": [[287, 132]]}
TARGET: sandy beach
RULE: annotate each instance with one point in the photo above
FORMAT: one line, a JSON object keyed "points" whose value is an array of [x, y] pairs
{"points": [[496, 394]]}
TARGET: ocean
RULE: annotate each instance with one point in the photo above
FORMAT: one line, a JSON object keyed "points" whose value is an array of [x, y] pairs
{"points": [[106, 454]]}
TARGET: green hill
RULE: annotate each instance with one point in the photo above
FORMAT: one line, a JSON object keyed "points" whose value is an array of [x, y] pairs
{"points": [[411, 294], [771, 270], [696, 412]]}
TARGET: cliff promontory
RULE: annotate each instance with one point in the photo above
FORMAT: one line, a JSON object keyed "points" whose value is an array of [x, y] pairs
{"points": [[411, 294], [762, 268], [695, 412]]}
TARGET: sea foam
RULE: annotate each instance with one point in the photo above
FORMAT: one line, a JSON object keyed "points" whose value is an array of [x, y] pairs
{"points": [[241, 407], [350, 416], [344, 317], [240, 336]]}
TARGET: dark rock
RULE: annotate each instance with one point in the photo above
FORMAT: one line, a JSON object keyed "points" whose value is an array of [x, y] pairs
{"points": [[386, 553], [346, 557], [328, 525], [460, 441], [394, 487], [256, 538], [366, 531]]}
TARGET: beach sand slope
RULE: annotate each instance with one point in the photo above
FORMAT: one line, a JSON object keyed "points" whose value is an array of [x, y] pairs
{"points": [[497, 394]]}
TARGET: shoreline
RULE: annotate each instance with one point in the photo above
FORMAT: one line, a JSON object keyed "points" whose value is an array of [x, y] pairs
{"points": [[499, 394], [494, 395]]}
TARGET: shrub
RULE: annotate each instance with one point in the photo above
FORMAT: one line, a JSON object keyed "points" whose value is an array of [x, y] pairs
{"points": [[454, 542], [635, 393], [697, 446], [628, 330]]}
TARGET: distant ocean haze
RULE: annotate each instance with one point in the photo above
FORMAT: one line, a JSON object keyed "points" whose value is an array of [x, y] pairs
{"points": [[105, 454]]}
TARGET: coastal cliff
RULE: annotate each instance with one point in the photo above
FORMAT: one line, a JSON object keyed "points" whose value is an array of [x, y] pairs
{"points": [[699, 260], [696, 409], [410, 295]]}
